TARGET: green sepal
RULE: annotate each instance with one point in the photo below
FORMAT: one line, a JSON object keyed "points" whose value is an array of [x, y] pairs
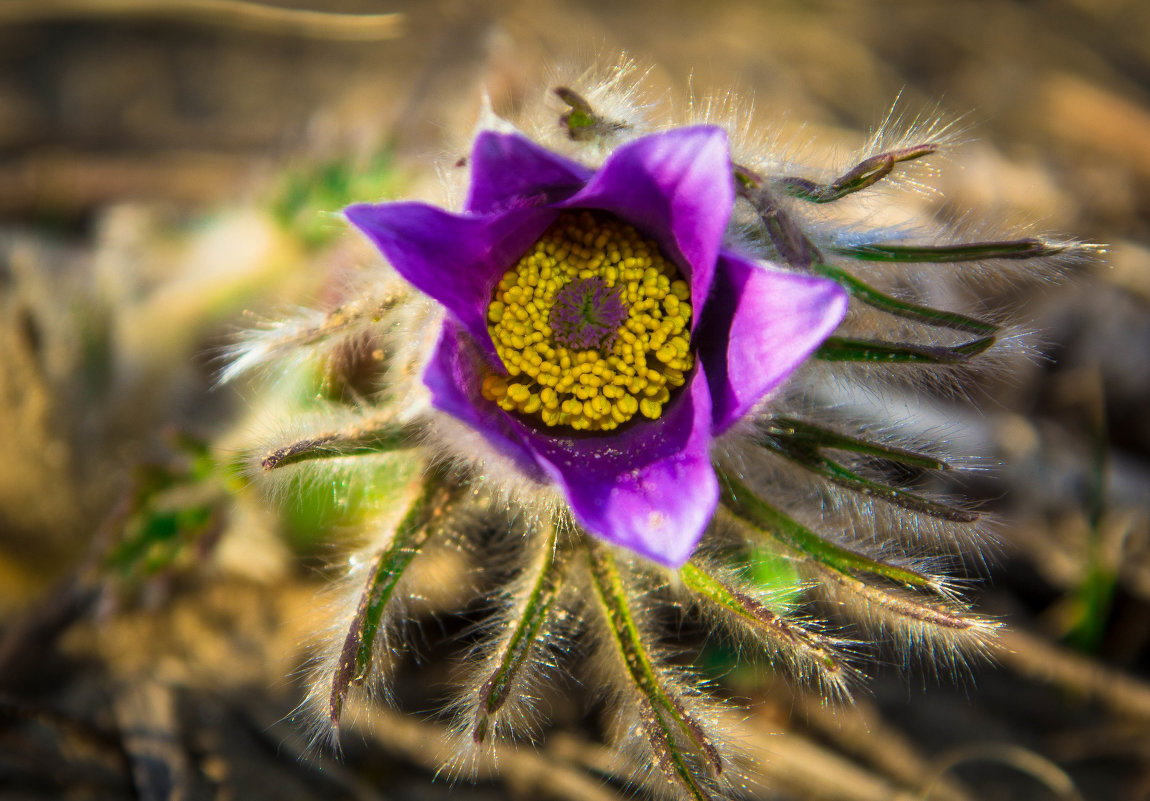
{"points": [[842, 349], [751, 509], [901, 308]]}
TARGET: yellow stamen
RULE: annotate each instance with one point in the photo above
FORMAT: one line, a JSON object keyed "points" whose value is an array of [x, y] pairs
{"points": [[633, 371]]}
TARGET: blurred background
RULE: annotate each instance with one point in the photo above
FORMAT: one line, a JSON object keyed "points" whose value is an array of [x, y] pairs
{"points": [[167, 168]]}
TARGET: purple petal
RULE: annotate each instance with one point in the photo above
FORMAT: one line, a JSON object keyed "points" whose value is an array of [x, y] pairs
{"points": [[453, 376], [652, 488], [509, 171], [452, 258], [758, 326], [677, 188]]}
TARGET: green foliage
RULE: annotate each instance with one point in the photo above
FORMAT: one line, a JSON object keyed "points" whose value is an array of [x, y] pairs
{"points": [[170, 516], [309, 198]]}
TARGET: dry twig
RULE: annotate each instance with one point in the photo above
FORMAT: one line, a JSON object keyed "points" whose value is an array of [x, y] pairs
{"points": [[228, 13]]}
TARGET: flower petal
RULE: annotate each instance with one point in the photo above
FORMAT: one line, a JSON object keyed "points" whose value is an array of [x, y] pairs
{"points": [[453, 376], [453, 258], [509, 171], [627, 489], [758, 326], [675, 187], [652, 488]]}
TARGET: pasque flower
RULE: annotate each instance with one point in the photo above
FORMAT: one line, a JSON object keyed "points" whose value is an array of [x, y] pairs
{"points": [[597, 333], [610, 344]]}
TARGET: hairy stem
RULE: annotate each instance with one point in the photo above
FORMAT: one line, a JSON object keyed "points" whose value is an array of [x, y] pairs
{"points": [[412, 533], [901, 308], [525, 636], [816, 436], [864, 174], [802, 443], [900, 605]]}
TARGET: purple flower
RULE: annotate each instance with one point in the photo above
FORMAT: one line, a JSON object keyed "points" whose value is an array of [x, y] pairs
{"points": [[557, 371]]}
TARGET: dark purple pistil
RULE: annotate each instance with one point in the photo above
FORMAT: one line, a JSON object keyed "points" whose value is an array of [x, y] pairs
{"points": [[587, 314]]}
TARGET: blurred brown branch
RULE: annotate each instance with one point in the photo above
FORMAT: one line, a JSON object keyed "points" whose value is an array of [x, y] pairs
{"points": [[228, 13]]}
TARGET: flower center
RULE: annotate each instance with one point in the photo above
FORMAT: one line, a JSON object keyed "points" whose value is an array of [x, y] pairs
{"points": [[593, 326], [587, 314]]}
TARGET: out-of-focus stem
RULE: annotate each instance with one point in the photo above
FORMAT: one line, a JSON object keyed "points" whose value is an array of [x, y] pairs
{"points": [[963, 251], [362, 439]]}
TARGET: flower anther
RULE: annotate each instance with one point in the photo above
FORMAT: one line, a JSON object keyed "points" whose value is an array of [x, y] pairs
{"points": [[592, 326]]}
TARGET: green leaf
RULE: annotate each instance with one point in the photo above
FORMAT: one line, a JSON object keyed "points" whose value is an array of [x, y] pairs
{"points": [[155, 539], [309, 198], [410, 536], [901, 308], [965, 251], [663, 713]]}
